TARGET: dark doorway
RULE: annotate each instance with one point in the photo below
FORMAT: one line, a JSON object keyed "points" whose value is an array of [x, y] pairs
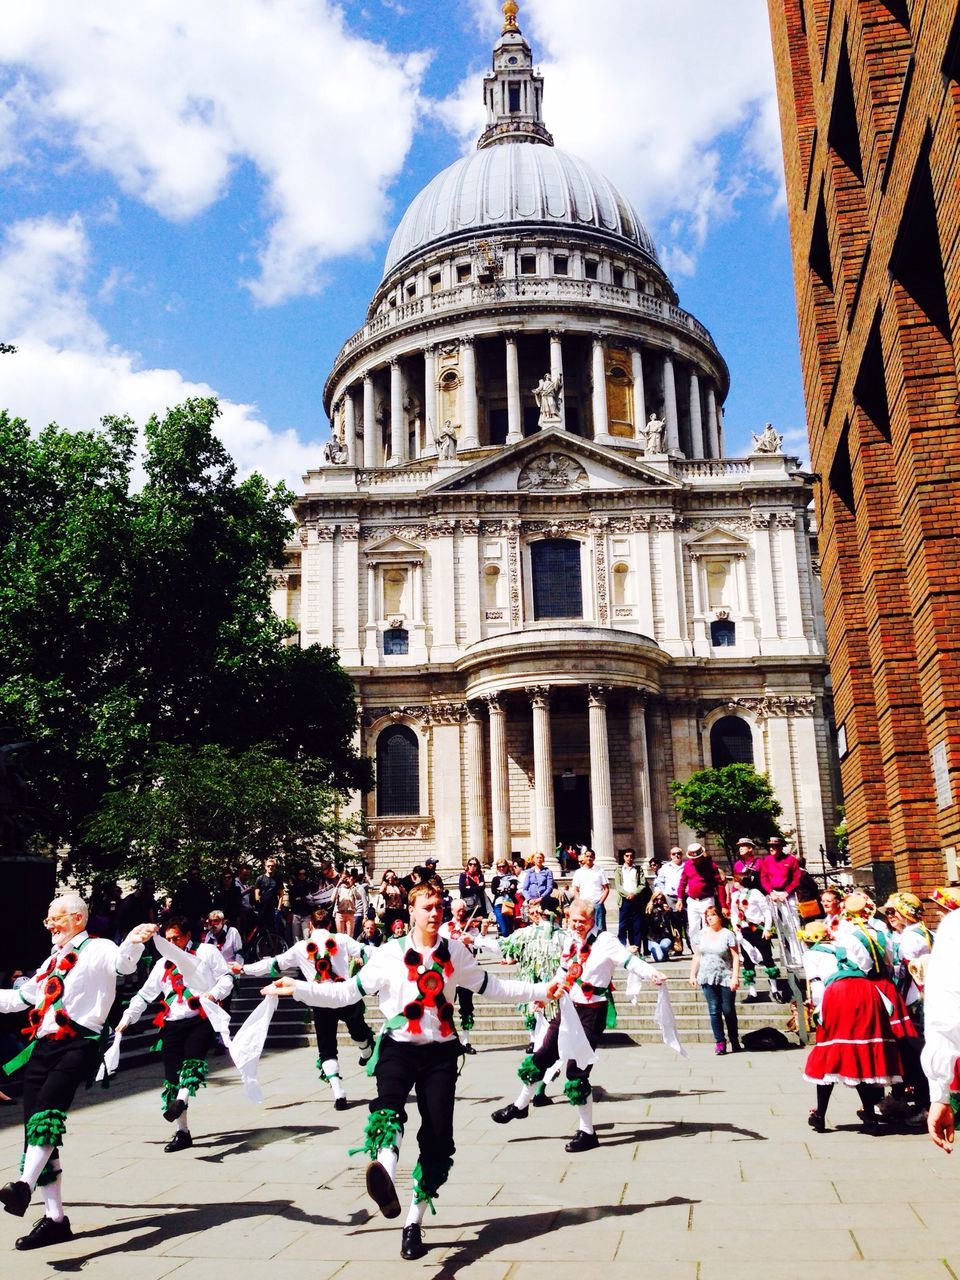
{"points": [[571, 805]]}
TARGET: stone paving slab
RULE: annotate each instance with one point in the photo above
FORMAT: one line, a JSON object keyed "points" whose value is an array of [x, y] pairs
{"points": [[707, 1171]]}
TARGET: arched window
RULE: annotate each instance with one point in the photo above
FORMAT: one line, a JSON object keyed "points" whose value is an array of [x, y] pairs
{"points": [[621, 580], [731, 742], [723, 634], [398, 771], [555, 566]]}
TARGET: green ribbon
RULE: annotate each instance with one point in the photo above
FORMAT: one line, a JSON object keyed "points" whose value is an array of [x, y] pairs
{"points": [[22, 1057], [392, 1024]]}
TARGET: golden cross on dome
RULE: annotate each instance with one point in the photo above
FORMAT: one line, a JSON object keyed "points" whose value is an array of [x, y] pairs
{"points": [[510, 11]]}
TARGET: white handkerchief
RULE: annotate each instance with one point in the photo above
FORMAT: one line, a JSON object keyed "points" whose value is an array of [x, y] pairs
{"points": [[111, 1059], [663, 1016], [572, 1042], [540, 1026], [247, 1046]]}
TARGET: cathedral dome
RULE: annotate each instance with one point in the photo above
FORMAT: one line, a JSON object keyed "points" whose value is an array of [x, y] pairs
{"points": [[516, 185]]}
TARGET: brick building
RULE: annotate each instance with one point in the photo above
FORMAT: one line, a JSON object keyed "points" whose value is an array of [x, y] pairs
{"points": [[870, 107], [554, 590]]}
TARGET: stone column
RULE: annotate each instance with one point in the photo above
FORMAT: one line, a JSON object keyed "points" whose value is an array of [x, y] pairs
{"points": [[763, 559], [350, 427], [790, 571], [713, 428], [514, 406], [371, 454], [469, 438], [443, 597], [398, 426], [670, 406], [556, 371], [499, 780], [477, 812], [601, 799], [430, 421], [349, 554], [640, 761], [639, 396], [545, 817], [601, 422], [696, 418], [469, 584]]}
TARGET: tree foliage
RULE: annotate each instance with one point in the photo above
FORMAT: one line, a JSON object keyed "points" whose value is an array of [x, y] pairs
{"points": [[729, 803], [131, 621]]}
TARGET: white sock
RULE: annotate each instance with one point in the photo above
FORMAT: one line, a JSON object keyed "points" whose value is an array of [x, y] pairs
{"points": [[416, 1212], [585, 1117], [53, 1199], [464, 1035], [388, 1157], [331, 1069], [552, 1072], [183, 1095], [523, 1097], [34, 1163], [181, 1123]]}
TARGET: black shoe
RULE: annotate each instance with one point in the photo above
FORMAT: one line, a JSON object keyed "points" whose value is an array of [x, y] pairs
{"points": [[180, 1141], [412, 1245], [541, 1100], [366, 1053], [381, 1190], [15, 1197], [341, 1104], [582, 1141], [508, 1113], [816, 1121], [175, 1110], [46, 1232], [468, 1048]]}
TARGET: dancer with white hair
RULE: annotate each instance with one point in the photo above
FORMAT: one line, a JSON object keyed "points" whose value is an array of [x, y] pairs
{"points": [[69, 999]]}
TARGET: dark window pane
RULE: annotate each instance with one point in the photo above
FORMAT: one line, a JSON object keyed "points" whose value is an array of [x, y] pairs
{"points": [[731, 742], [398, 772], [396, 640], [556, 578], [723, 634]]}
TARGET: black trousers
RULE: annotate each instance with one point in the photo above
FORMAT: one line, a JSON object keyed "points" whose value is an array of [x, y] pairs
{"points": [[431, 1071], [183, 1039], [326, 1022], [593, 1019], [55, 1071]]}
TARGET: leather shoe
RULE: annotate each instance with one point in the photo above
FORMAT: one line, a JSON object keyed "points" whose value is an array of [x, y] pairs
{"points": [[583, 1141], [468, 1048], [179, 1142], [366, 1053], [412, 1245], [341, 1104], [176, 1109], [541, 1100], [381, 1190], [15, 1197], [46, 1232], [508, 1113]]}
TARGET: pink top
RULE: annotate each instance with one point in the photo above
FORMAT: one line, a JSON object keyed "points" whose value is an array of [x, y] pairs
{"points": [[779, 875]]}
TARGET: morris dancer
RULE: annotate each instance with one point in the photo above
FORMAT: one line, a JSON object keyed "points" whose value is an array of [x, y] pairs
{"points": [[587, 962], [751, 919], [941, 1054], [325, 957], [186, 1036], [416, 979], [854, 1044], [69, 1000]]}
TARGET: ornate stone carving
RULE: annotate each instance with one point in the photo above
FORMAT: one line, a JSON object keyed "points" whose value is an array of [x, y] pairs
{"points": [[769, 441], [597, 694], [512, 530], [399, 830], [548, 394], [425, 714], [760, 519], [553, 471], [350, 532], [786, 520], [470, 528], [325, 532], [763, 707], [440, 529], [539, 694], [667, 521], [598, 527], [304, 535]]}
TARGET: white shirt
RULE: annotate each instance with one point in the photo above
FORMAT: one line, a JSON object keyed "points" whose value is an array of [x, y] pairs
{"points": [[217, 983], [667, 880], [818, 966], [589, 883], [629, 879], [89, 988], [598, 966], [941, 1014], [750, 906], [297, 957], [387, 975], [229, 943]]}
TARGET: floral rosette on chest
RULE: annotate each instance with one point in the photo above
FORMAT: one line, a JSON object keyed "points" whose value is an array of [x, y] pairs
{"points": [[323, 961], [430, 981]]}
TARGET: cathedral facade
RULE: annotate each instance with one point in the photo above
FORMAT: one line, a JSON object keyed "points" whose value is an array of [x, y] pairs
{"points": [[554, 591]]}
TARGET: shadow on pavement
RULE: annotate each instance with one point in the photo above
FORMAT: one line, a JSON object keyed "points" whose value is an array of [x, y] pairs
{"points": [[501, 1232], [657, 1130], [160, 1228], [242, 1141]]}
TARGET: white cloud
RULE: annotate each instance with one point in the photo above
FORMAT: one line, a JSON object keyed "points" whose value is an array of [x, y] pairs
{"points": [[647, 90], [170, 96], [66, 370]]}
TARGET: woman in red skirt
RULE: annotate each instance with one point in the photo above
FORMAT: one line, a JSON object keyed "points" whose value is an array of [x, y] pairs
{"points": [[854, 1045]]}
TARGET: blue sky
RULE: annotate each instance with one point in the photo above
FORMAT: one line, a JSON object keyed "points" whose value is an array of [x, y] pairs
{"points": [[198, 198]]}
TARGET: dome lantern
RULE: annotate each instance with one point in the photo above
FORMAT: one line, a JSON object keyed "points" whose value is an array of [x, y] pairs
{"points": [[513, 91]]}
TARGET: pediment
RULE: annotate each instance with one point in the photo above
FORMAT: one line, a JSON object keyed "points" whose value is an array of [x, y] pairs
{"points": [[718, 541], [394, 548], [555, 462]]}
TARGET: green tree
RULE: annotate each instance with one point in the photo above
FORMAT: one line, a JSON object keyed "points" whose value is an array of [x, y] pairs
{"points": [[134, 620], [204, 804], [729, 803]]}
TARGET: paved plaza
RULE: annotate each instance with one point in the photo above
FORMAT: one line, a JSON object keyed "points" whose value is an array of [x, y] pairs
{"points": [[707, 1171]]}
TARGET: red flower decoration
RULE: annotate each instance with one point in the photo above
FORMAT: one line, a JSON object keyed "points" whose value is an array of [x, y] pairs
{"points": [[68, 961], [60, 1018], [430, 985], [194, 1003], [312, 948]]}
